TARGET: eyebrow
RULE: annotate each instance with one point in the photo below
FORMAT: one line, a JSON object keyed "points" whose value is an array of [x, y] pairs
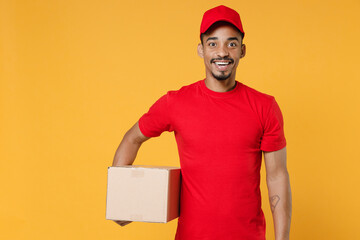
{"points": [[211, 38], [216, 38], [233, 38]]}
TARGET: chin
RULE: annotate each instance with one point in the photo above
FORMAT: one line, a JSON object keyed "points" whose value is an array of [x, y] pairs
{"points": [[221, 77]]}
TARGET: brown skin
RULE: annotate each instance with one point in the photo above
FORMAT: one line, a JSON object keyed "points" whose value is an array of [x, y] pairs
{"points": [[224, 42], [129, 146], [278, 183]]}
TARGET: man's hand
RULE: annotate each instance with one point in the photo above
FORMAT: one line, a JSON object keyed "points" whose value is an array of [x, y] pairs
{"points": [[123, 223]]}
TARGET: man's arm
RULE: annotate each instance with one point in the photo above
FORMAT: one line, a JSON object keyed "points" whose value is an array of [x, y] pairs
{"points": [[129, 146], [127, 151], [278, 183]]}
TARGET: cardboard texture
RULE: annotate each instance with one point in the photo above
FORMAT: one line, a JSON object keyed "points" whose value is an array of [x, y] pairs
{"points": [[143, 193]]}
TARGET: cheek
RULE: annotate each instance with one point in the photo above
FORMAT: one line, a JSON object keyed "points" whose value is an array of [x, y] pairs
{"points": [[207, 58], [236, 56]]}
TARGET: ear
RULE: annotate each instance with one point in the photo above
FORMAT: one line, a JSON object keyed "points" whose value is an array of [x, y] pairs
{"points": [[243, 51], [200, 50]]}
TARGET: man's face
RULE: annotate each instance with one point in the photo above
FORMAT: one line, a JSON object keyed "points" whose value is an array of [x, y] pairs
{"points": [[222, 49]]}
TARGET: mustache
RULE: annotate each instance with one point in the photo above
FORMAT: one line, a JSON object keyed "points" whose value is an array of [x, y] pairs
{"points": [[222, 59]]}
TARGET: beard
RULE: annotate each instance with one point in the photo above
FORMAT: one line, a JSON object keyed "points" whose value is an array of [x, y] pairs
{"points": [[221, 77]]}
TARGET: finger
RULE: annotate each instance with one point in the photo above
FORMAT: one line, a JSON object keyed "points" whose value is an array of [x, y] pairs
{"points": [[125, 223]]}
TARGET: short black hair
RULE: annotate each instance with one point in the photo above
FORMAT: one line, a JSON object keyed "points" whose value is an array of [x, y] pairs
{"points": [[217, 24]]}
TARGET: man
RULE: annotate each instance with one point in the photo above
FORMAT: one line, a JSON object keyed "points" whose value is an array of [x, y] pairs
{"points": [[222, 127]]}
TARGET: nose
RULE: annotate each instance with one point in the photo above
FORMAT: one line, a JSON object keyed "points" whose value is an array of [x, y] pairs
{"points": [[223, 51]]}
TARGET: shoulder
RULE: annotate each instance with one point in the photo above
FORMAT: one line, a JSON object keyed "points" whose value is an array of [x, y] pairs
{"points": [[261, 103], [255, 95], [185, 91]]}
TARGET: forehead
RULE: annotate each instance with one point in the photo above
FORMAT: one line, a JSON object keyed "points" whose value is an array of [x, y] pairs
{"points": [[222, 30]]}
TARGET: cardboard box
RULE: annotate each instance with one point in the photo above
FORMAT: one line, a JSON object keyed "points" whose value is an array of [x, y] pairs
{"points": [[143, 193]]}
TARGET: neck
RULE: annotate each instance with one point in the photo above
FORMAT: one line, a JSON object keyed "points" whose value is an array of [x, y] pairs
{"points": [[220, 86]]}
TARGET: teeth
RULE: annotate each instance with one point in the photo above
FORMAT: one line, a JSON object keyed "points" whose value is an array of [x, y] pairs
{"points": [[222, 63]]}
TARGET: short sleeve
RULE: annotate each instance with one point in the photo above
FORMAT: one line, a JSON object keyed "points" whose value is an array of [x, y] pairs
{"points": [[273, 138], [157, 119]]}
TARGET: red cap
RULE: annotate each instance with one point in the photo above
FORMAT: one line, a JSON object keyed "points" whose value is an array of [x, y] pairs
{"points": [[220, 13]]}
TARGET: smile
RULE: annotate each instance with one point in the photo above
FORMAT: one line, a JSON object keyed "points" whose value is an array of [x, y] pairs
{"points": [[222, 63]]}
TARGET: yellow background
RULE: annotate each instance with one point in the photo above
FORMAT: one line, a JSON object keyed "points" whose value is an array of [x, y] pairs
{"points": [[75, 75]]}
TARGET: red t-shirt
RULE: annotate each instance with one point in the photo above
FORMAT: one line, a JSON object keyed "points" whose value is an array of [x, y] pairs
{"points": [[220, 138]]}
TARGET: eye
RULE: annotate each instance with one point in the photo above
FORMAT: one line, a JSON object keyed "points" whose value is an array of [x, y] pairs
{"points": [[212, 44], [232, 44]]}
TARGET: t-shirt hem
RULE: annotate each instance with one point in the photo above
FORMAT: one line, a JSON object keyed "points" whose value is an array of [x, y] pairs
{"points": [[272, 148], [143, 130]]}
